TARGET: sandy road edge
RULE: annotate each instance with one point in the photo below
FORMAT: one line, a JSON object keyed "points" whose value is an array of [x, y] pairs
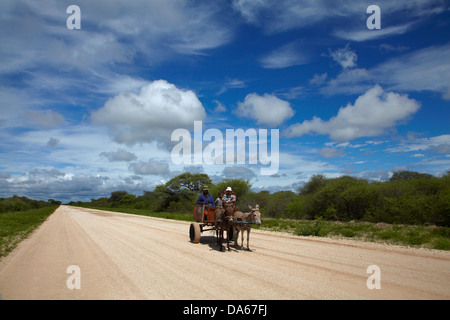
{"points": [[22, 245]]}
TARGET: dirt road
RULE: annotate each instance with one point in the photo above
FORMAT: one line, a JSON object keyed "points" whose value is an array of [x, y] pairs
{"points": [[123, 256]]}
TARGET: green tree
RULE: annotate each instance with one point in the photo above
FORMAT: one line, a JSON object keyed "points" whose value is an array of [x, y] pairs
{"points": [[344, 194], [116, 196], [183, 188], [408, 175], [128, 200], [54, 202], [315, 183], [240, 187], [278, 202]]}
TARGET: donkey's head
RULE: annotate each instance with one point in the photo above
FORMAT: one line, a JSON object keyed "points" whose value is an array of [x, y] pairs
{"points": [[255, 215]]}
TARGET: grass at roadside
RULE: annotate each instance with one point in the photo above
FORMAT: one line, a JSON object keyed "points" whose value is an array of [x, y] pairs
{"points": [[430, 237], [16, 226], [415, 236]]}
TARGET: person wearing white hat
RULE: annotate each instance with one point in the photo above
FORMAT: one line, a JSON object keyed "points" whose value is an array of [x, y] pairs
{"points": [[229, 196]]}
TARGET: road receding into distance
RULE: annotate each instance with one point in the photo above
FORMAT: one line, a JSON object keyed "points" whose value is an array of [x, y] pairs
{"points": [[90, 254]]}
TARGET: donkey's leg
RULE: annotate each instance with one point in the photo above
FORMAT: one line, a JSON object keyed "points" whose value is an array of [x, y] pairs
{"points": [[242, 238], [248, 238], [228, 237], [218, 235], [221, 239]]}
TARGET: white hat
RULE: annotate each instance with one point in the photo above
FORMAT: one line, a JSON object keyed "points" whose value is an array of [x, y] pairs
{"points": [[229, 189]]}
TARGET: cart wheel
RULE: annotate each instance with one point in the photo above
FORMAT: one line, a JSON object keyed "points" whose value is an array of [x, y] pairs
{"points": [[195, 232]]}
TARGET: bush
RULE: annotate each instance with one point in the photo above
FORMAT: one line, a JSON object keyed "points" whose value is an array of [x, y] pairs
{"points": [[315, 228], [17, 203]]}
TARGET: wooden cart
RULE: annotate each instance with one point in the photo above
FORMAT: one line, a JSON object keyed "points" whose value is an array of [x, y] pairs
{"points": [[204, 221]]}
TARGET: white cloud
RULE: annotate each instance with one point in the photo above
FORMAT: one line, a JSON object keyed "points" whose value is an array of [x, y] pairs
{"points": [[43, 120], [232, 84], [219, 107], [365, 35], [424, 69], [238, 173], [119, 155], [155, 29], [266, 110], [151, 115], [48, 183], [345, 57], [331, 152], [280, 16], [48, 60], [372, 114], [387, 48], [151, 167], [286, 56], [319, 79], [439, 144]]}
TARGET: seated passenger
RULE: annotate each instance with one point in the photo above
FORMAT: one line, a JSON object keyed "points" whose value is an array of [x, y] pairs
{"points": [[219, 202], [206, 198], [229, 197]]}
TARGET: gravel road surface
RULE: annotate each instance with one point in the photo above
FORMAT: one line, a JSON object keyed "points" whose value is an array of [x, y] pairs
{"points": [[122, 256]]}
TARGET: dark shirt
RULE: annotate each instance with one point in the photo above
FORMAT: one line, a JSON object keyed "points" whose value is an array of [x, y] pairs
{"points": [[209, 200]]}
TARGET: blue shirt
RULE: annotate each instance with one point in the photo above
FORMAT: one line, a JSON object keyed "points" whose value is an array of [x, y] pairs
{"points": [[208, 200]]}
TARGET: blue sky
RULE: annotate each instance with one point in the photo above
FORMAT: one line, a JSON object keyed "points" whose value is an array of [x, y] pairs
{"points": [[88, 111]]}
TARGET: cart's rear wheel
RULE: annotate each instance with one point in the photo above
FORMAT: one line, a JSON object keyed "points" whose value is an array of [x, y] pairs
{"points": [[195, 232]]}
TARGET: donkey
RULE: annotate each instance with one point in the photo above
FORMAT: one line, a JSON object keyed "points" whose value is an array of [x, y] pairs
{"points": [[244, 223], [222, 221]]}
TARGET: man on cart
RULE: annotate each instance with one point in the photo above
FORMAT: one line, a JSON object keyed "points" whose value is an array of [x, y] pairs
{"points": [[205, 202], [206, 199], [229, 196]]}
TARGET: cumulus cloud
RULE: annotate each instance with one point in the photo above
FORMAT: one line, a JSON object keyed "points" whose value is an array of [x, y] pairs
{"points": [[266, 110], [51, 182], [151, 115], [42, 184], [50, 64], [372, 114], [238, 173], [151, 167], [346, 57]]}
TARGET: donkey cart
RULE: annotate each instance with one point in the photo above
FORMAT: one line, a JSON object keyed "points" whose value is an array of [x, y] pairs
{"points": [[205, 220]]}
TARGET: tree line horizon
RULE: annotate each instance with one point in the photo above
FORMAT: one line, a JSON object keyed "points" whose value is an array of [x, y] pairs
{"points": [[408, 197]]}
